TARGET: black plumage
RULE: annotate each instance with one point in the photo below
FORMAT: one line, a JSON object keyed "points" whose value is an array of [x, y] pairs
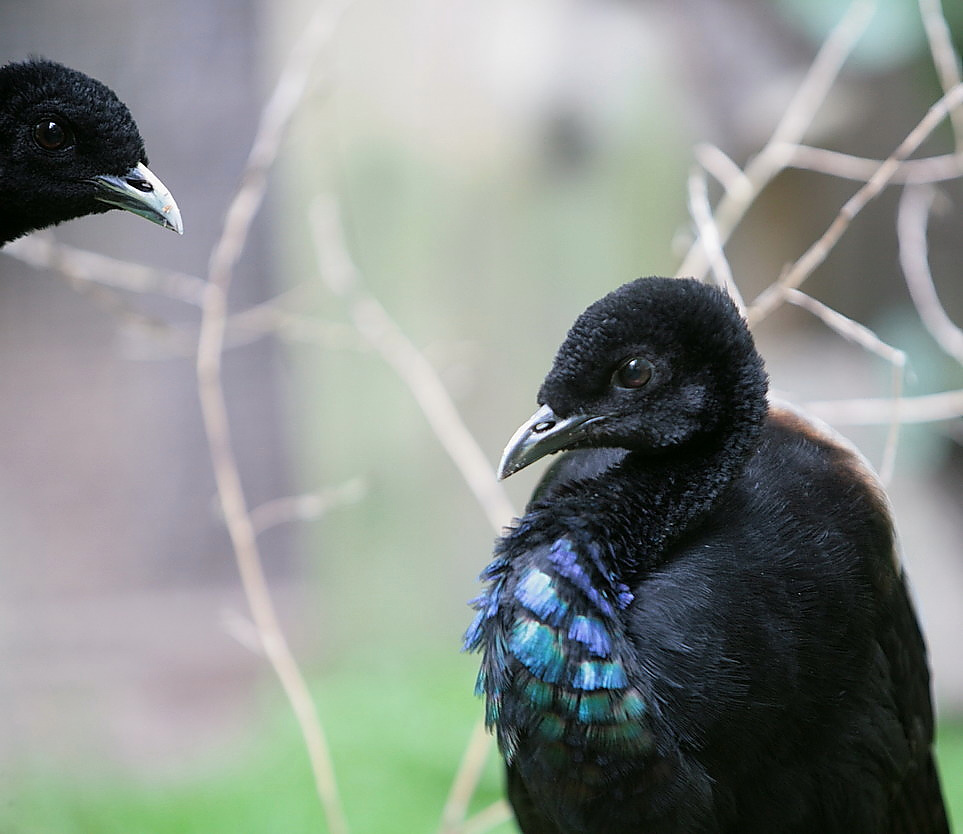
{"points": [[700, 623], [69, 147]]}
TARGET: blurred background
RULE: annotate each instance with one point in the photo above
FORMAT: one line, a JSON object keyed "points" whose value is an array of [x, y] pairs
{"points": [[499, 166]]}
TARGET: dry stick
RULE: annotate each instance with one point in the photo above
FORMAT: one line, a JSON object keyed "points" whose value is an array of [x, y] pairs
{"points": [[43, 251], [466, 780], [271, 318], [849, 167], [718, 163], [486, 819], [88, 270], [701, 213], [240, 214], [945, 59], [309, 506], [946, 63], [861, 335], [770, 298], [382, 332], [911, 221], [790, 130], [454, 819], [340, 274], [870, 411]]}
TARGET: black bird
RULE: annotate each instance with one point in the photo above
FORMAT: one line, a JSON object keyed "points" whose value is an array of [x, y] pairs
{"points": [[69, 147], [700, 624]]}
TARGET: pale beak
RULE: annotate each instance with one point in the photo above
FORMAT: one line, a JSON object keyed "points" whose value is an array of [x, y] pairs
{"points": [[140, 192]]}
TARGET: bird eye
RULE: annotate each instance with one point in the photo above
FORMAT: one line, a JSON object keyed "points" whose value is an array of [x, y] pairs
{"points": [[632, 373], [52, 135]]}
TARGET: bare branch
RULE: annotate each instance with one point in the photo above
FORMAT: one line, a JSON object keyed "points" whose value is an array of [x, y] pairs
{"points": [[795, 122], [242, 630], [308, 507], [380, 330], [270, 318], [722, 167], [799, 271], [240, 214], [846, 166], [846, 327], [861, 335], [945, 59], [487, 819], [373, 322], [701, 213], [454, 813], [887, 467], [926, 408], [914, 210], [43, 251]]}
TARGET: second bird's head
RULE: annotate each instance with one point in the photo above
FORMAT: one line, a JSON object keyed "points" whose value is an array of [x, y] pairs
{"points": [[653, 365], [70, 147]]}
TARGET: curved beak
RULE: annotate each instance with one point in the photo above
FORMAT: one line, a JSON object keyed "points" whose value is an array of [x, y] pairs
{"points": [[140, 192], [541, 435]]}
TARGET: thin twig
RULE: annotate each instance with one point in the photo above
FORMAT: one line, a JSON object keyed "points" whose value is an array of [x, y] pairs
{"points": [[871, 411], [373, 322], [488, 818], [861, 335], [846, 327], [945, 59], [271, 318], [307, 507], [795, 122], [382, 332], [701, 213], [43, 251], [911, 221], [799, 271], [718, 163], [887, 468], [240, 214], [849, 167], [468, 775]]}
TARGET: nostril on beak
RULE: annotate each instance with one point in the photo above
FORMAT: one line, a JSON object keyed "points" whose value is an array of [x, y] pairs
{"points": [[543, 426], [140, 185]]}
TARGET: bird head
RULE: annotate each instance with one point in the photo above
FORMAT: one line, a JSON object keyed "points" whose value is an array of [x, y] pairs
{"points": [[69, 147], [655, 365]]}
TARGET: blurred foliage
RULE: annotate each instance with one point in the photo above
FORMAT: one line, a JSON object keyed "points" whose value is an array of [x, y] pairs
{"points": [[416, 716]]}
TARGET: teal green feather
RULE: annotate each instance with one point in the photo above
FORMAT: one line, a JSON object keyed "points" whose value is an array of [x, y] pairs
{"points": [[596, 674], [595, 707], [539, 648], [630, 707], [624, 735], [540, 694], [552, 726]]}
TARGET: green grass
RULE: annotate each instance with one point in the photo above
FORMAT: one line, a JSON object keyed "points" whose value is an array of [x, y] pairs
{"points": [[949, 750], [397, 734]]}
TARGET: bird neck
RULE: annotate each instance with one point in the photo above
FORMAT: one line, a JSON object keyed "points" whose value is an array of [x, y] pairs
{"points": [[647, 500], [16, 219], [10, 228]]}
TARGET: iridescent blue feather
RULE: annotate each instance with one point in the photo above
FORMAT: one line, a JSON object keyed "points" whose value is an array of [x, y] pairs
{"points": [[537, 593], [590, 632], [553, 649], [565, 560]]}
